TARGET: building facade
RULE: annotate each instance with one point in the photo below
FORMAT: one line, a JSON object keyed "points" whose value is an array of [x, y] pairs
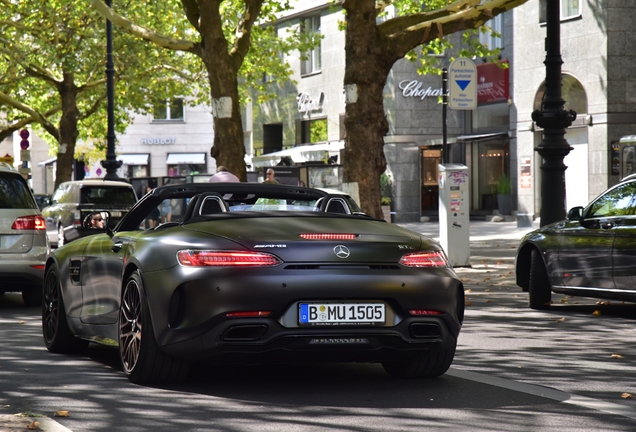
{"points": [[311, 112], [597, 83]]}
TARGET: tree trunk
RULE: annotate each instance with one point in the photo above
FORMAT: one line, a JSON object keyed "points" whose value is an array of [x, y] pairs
{"points": [[67, 129], [367, 68], [228, 148]]}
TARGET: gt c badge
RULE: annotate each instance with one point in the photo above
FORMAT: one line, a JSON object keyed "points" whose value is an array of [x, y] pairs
{"points": [[341, 251]]}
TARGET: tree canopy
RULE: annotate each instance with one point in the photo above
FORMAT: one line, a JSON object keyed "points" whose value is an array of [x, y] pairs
{"points": [[235, 45], [52, 74]]}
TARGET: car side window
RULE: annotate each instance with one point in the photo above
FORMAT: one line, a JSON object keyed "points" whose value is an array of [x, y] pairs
{"points": [[619, 201]]}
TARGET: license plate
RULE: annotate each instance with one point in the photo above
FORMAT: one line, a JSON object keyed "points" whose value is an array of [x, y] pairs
{"points": [[341, 313], [115, 214]]}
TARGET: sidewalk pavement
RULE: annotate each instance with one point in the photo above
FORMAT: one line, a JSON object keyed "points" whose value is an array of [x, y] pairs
{"points": [[488, 282]]}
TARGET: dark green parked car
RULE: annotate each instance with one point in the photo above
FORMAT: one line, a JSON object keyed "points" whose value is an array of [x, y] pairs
{"points": [[591, 254]]}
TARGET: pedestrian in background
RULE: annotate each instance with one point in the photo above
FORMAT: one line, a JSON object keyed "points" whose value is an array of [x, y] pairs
{"points": [[269, 177], [223, 176]]}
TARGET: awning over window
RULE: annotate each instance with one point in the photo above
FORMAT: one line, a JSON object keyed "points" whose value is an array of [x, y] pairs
{"points": [[186, 158], [482, 137], [47, 161], [300, 154], [134, 159]]}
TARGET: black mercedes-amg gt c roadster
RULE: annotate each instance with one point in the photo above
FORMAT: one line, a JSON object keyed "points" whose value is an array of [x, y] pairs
{"points": [[253, 273]]}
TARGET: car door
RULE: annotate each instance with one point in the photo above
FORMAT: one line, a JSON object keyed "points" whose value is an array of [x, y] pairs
{"points": [[101, 270], [624, 248], [585, 253]]}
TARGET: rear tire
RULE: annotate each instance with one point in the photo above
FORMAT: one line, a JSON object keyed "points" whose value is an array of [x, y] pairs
{"points": [[539, 289], [141, 359], [58, 338], [427, 365]]}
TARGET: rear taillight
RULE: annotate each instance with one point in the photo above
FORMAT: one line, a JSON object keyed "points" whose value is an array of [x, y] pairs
{"points": [[208, 258], [34, 222], [424, 259]]}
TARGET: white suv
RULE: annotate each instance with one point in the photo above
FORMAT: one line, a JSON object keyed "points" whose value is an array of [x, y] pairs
{"points": [[24, 246]]}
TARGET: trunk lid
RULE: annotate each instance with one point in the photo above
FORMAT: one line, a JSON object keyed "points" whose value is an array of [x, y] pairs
{"points": [[375, 241]]}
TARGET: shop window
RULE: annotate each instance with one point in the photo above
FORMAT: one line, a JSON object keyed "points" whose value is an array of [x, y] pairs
{"points": [[492, 37], [272, 138], [313, 60], [184, 164], [431, 158], [493, 165], [171, 109], [134, 165], [569, 9], [313, 131]]}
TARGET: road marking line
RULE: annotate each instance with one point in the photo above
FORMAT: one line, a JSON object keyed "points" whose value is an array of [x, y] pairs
{"points": [[546, 392]]}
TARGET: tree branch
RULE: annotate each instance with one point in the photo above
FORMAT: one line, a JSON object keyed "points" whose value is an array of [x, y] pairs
{"points": [[144, 33], [93, 109], [191, 9], [398, 24], [8, 131], [454, 21], [244, 31], [37, 117]]}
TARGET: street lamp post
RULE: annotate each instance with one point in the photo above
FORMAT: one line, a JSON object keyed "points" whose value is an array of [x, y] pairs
{"points": [[554, 120], [111, 164]]}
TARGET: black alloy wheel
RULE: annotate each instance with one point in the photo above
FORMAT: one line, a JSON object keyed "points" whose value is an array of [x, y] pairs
{"points": [[58, 338], [141, 359]]}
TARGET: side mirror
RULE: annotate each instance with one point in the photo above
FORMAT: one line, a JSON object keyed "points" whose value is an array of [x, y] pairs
{"points": [[97, 220], [575, 213]]}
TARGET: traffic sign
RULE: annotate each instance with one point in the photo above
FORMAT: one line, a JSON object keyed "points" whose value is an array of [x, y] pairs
{"points": [[462, 77], [24, 134]]}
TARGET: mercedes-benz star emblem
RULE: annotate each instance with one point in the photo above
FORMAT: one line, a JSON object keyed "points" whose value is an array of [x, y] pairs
{"points": [[341, 251]]}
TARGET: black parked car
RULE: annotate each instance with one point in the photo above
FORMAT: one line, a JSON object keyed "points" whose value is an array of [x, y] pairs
{"points": [[254, 273], [73, 200], [592, 253]]}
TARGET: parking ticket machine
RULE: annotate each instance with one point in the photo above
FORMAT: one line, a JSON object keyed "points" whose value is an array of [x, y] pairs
{"points": [[454, 213]]}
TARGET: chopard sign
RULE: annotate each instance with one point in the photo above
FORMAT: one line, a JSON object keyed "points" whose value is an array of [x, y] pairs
{"points": [[306, 104], [414, 88]]}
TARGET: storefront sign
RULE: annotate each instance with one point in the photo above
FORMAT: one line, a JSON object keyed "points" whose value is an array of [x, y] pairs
{"points": [[166, 140], [492, 83], [306, 104], [414, 88]]}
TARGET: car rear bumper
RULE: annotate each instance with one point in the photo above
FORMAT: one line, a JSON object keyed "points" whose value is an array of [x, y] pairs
{"points": [[17, 275], [190, 319], [265, 340]]}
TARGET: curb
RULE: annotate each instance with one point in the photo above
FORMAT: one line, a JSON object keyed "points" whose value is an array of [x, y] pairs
{"points": [[19, 423]]}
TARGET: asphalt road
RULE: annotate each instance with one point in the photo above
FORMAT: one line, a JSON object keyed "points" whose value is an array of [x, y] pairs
{"points": [[566, 369]]}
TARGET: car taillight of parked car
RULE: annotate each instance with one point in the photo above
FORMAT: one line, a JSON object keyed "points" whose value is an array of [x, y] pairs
{"points": [[77, 218], [424, 259], [34, 222]]}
